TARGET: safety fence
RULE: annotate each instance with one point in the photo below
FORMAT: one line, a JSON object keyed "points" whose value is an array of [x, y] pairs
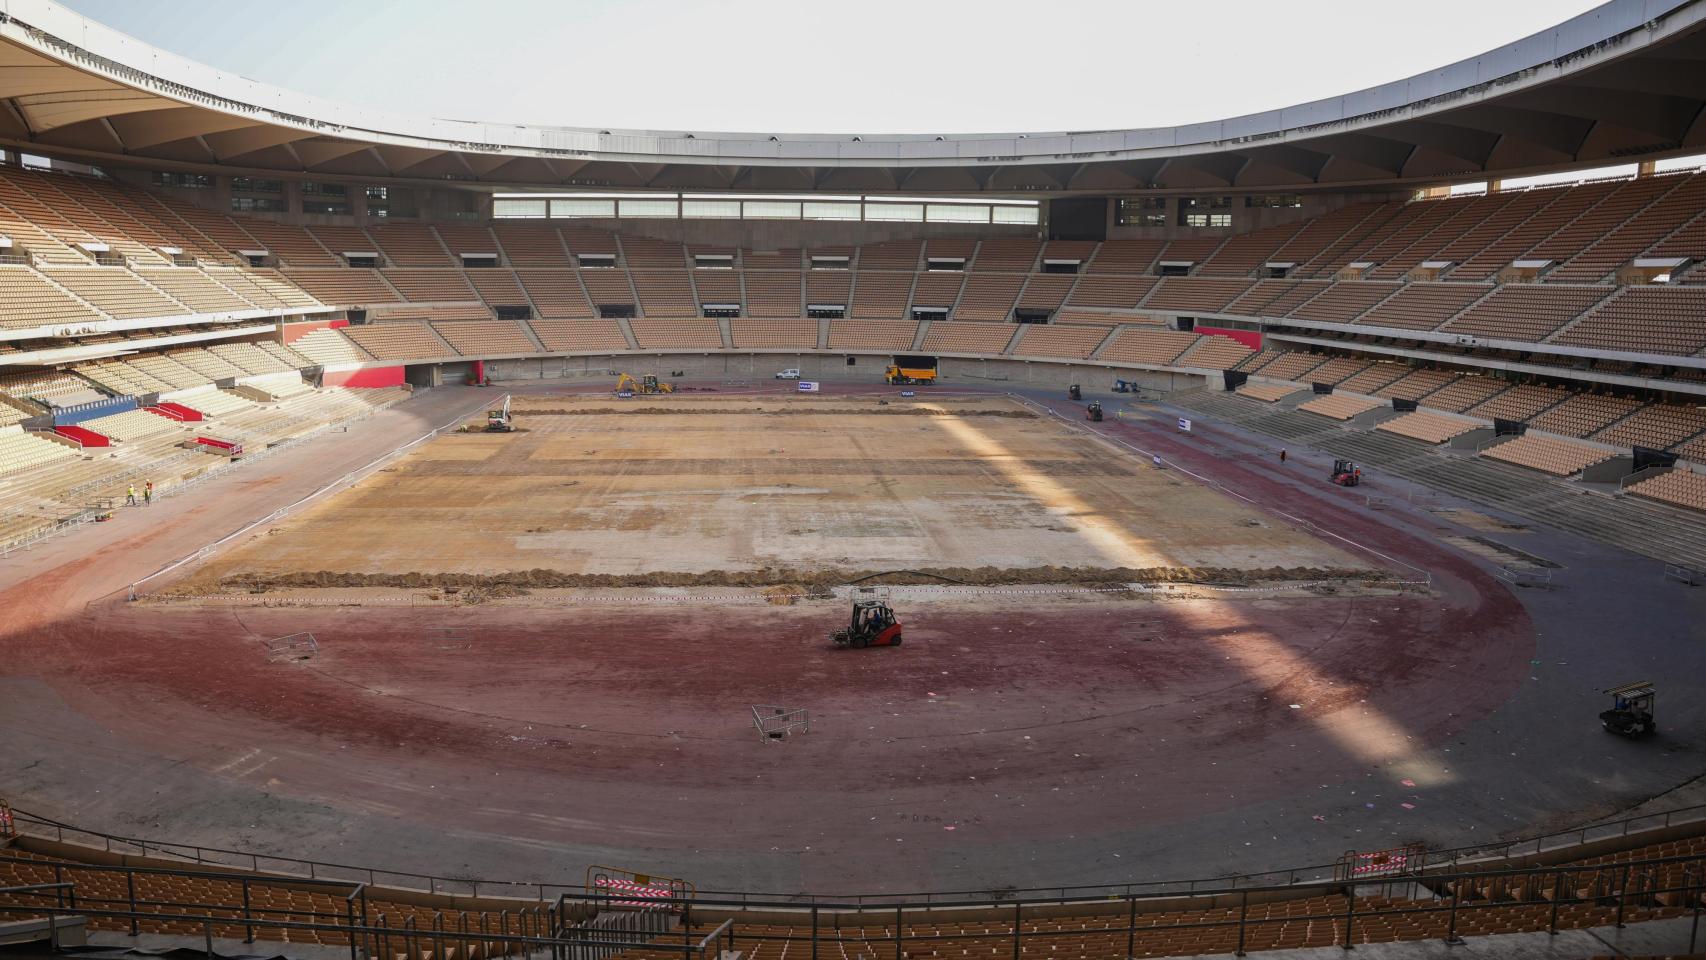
{"points": [[1623, 832], [1447, 906]]}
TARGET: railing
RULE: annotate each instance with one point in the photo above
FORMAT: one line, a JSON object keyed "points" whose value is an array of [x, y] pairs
{"points": [[1432, 863], [1223, 919]]}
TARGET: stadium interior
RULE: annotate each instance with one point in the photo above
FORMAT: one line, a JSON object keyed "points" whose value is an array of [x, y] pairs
{"points": [[1270, 516]]}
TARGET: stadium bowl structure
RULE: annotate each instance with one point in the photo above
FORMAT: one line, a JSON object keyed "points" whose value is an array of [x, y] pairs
{"points": [[272, 583]]}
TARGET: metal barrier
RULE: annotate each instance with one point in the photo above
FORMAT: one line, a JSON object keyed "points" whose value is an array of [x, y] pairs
{"points": [[1534, 577], [1684, 575], [1410, 905], [778, 723], [285, 868]]}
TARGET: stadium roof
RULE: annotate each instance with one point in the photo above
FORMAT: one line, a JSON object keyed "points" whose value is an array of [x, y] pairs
{"points": [[1624, 80]]}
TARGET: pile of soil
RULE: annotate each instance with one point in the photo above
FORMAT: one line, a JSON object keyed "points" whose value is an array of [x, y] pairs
{"points": [[793, 580], [889, 411]]}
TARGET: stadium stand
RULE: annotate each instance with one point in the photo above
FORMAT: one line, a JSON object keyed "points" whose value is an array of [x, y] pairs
{"points": [[988, 297], [1339, 406], [20, 451], [118, 293], [881, 296], [1214, 353], [402, 340], [882, 335], [1644, 319], [774, 334], [430, 286], [557, 294], [774, 293], [1548, 454], [1074, 342], [1149, 347], [29, 299], [1118, 291], [667, 293], [1427, 426], [330, 348], [677, 334], [481, 337], [1268, 392], [1343, 302], [410, 245], [948, 336], [1682, 488], [565, 336], [1524, 312], [348, 286], [1194, 294]]}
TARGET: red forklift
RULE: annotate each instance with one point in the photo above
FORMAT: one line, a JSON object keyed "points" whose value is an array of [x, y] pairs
{"points": [[873, 625], [1346, 473]]}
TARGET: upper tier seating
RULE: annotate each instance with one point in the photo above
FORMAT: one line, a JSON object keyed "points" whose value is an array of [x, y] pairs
{"points": [[1007, 256], [531, 244], [774, 293], [1645, 319], [117, 292], [1423, 306], [345, 287], [1125, 256], [1343, 302], [669, 293], [1111, 290], [195, 290], [881, 296], [1194, 294], [1525, 312], [556, 293], [27, 299], [430, 286], [988, 297], [411, 245]]}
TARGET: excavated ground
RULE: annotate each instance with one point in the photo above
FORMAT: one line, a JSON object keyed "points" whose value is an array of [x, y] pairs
{"points": [[692, 492]]}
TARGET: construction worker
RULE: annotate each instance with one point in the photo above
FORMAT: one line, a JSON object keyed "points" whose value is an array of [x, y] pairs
{"points": [[147, 492], [1282, 456], [130, 496]]}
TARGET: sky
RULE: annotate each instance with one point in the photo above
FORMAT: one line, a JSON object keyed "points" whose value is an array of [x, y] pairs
{"points": [[860, 67]]}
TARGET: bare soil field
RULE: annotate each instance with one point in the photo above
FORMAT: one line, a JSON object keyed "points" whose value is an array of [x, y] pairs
{"points": [[752, 492]]}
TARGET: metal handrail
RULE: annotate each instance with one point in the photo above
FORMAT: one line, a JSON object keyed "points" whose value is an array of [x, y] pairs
{"points": [[433, 883], [1605, 885]]}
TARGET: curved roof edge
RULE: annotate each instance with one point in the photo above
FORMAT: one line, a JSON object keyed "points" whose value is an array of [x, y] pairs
{"points": [[1611, 31]]}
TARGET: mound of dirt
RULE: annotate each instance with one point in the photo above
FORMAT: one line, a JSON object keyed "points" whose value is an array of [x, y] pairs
{"points": [[787, 580], [887, 411]]}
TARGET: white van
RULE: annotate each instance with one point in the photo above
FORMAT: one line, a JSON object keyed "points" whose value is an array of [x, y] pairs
{"points": [[792, 373]]}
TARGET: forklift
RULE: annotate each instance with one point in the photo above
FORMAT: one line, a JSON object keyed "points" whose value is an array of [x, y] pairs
{"points": [[1093, 412], [873, 625], [1346, 473], [1074, 393], [1631, 713]]}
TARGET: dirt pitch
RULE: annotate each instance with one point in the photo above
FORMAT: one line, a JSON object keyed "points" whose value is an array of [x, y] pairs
{"points": [[759, 491]]}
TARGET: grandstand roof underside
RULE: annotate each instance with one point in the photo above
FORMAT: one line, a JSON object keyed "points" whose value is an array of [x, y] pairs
{"points": [[1626, 80]]}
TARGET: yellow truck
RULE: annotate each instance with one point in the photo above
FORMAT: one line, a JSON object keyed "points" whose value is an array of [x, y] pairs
{"points": [[898, 374]]}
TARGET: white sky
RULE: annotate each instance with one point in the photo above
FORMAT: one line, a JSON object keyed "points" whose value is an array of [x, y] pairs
{"points": [[861, 66]]}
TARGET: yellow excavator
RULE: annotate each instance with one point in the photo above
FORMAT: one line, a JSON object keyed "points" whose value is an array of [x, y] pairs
{"points": [[645, 384]]}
